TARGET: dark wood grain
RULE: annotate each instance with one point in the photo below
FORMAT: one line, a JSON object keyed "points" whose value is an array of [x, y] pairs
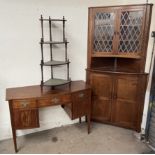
{"points": [[36, 91], [26, 119], [118, 98], [102, 87]]}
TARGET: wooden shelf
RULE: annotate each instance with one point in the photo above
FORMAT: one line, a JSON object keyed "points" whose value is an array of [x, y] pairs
{"points": [[54, 42], [117, 56], [56, 82], [55, 63], [104, 70]]}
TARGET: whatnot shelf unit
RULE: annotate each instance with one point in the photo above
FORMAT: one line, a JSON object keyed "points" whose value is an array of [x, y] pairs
{"points": [[52, 63]]}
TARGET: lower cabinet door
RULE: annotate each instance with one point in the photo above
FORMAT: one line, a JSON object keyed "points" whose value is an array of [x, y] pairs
{"points": [[118, 99], [101, 109], [26, 119], [102, 87], [125, 107]]}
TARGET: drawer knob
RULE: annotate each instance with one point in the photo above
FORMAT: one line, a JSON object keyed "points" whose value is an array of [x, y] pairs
{"points": [[81, 95], [24, 104], [55, 100]]}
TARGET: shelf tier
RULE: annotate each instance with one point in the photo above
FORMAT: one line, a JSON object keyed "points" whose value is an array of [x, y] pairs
{"points": [[54, 42], [129, 72], [117, 56], [55, 63], [56, 82], [56, 20]]}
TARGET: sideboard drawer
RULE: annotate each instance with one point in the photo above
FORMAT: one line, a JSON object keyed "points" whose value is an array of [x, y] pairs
{"points": [[27, 103], [81, 96], [81, 103], [26, 118], [54, 100]]}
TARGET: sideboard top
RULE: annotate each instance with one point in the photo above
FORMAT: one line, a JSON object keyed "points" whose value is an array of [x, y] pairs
{"points": [[37, 91]]}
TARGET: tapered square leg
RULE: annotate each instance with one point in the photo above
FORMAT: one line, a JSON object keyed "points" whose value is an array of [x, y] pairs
{"points": [[88, 123]]}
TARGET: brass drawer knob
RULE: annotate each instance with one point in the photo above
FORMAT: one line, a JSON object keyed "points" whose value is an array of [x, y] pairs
{"points": [[24, 104], [81, 95], [55, 100]]}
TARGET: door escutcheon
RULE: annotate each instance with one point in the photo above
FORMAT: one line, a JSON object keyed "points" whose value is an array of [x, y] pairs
{"points": [[24, 104]]}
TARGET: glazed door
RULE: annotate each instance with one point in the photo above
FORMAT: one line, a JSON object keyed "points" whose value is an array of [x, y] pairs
{"points": [[117, 31], [125, 106], [102, 87], [130, 30], [103, 26]]}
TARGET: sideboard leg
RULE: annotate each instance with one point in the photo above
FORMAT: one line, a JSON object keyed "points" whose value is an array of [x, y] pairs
{"points": [[14, 140], [79, 119], [13, 126], [86, 118], [88, 122]]}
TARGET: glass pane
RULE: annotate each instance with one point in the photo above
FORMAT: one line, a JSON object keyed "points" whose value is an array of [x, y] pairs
{"points": [[130, 31], [103, 32]]}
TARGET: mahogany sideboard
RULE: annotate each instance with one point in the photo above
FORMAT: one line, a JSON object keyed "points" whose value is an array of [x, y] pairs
{"points": [[24, 103]]}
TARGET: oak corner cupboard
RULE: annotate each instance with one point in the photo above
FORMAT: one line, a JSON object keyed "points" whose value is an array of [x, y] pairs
{"points": [[117, 47]]}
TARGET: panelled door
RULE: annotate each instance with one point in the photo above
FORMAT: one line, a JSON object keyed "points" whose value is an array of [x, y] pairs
{"points": [[116, 99], [125, 106], [102, 87]]}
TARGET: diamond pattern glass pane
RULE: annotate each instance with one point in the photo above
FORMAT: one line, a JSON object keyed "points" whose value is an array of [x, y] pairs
{"points": [[103, 32], [130, 31]]}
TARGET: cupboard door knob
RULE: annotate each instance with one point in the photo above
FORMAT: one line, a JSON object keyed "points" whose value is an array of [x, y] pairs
{"points": [[81, 95], [24, 104], [55, 100]]}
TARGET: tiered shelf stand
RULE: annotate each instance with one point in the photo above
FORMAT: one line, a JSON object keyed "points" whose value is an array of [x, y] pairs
{"points": [[53, 81]]}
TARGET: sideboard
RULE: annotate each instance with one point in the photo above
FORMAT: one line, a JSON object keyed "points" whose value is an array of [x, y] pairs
{"points": [[25, 102]]}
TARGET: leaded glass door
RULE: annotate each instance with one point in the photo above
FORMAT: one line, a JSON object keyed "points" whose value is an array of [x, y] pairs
{"points": [[130, 32], [103, 42]]}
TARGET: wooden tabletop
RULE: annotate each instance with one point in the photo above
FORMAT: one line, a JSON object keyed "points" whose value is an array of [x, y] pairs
{"points": [[36, 91]]}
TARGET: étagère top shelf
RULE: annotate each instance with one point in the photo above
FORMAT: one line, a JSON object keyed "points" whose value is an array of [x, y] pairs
{"points": [[55, 20], [53, 81]]}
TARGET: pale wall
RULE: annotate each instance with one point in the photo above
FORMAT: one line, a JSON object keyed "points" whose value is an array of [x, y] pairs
{"points": [[20, 52]]}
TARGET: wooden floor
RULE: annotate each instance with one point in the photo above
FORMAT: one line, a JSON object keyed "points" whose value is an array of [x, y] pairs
{"points": [[74, 139]]}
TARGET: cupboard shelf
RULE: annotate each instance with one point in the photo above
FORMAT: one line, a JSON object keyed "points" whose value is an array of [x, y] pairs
{"points": [[116, 56], [118, 71]]}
